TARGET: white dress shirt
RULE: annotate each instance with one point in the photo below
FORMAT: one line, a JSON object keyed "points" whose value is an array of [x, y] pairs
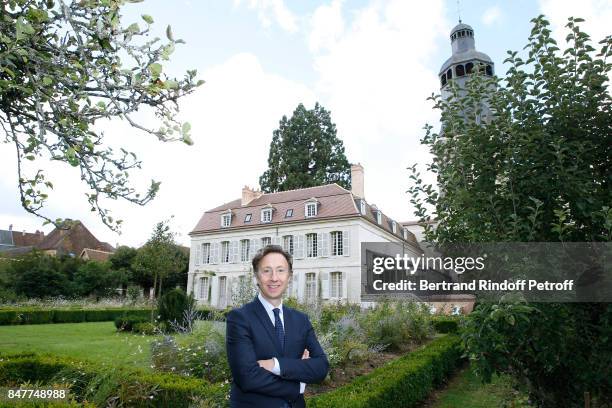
{"points": [[269, 309]]}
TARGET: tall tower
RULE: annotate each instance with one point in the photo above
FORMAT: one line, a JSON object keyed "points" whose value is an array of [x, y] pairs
{"points": [[464, 61]]}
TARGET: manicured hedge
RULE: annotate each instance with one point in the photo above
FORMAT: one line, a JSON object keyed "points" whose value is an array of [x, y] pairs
{"points": [[171, 390], [404, 382], [446, 324], [45, 316]]}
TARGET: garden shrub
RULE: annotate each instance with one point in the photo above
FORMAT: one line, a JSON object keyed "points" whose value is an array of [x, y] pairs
{"points": [[9, 316], [128, 322], [172, 308], [397, 323], [110, 385], [403, 382], [204, 356], [146, 328], [446, 324]]}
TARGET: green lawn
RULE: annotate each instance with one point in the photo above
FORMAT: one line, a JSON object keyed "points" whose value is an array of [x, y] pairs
{"points": [[465, 390], [97, 342]]}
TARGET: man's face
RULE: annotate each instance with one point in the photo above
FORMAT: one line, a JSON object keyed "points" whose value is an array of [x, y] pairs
{"points": [[273, 276]]}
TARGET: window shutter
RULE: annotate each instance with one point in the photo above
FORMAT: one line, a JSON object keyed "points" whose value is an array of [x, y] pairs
{"points": [[198, 253], [234, 252], [255, 246], [298, 246], [343, 285], [323, 238], [325, 285], [296, 285], [345, 243], [214, 253]]}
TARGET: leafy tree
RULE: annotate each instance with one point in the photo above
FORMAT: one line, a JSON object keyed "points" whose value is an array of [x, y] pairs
{"points": [[159, 256], [97, 279], [37, 275], [121, 261], [63, 66], [537, 170], [305, 152]]}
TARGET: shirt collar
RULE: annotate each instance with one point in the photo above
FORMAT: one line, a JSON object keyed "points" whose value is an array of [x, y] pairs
{"points": [[269, 306]]}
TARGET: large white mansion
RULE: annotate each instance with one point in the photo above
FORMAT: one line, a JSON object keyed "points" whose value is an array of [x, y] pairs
{"points": [[322, 227]]}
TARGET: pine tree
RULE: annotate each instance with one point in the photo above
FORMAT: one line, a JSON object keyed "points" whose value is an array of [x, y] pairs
{"points": [[305, 152]]}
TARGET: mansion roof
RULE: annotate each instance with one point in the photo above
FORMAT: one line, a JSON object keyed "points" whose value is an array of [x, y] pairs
{"points": [[333, 202]]}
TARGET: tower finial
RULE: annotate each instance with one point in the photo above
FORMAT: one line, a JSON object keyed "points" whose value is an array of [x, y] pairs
{"points": [[459, 10]]}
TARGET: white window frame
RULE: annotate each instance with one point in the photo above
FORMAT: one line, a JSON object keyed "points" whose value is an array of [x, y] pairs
{"points": [[337, 243], [226, 220], [312, 246], [310, 210], [288, 244], [222, 291], [206, 253], [245, 247], [405, 233], [204, 288], [225, 252], [266, 241], [335, 285], [266, 215], [394, 227], [310, 287], [379, 217], [362, 207]]}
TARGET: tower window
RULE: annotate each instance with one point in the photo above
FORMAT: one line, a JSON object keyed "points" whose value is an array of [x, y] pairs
{"points": [[468, 68], [443, 79], [460, 70], [449, 73], [489, 70]]}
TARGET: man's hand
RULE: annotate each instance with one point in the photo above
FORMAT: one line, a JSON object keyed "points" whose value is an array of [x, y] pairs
{"points": [[305, 354], [267, 364]]}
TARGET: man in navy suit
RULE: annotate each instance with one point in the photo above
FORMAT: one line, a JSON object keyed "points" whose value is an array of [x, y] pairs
{"points": [[272, 350]]}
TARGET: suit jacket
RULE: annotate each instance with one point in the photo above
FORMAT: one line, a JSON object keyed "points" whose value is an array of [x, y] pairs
{"points": [[251, 337]]}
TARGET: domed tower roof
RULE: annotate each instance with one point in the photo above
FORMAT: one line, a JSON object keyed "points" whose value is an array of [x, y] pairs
{"points": [[464, 49]]}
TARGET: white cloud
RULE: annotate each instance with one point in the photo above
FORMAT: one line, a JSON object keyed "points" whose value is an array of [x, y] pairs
{"points": [[596, 13], [232, 116], [491, 15], [375, 75], [327, 25], [268, 10]]}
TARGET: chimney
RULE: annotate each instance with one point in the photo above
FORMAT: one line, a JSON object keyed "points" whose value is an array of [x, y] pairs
{"points": [[357, 180], [249, 195], [11, 227]]}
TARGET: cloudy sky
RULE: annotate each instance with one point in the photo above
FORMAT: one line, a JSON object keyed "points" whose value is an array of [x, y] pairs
{"points": [[371, 63]]}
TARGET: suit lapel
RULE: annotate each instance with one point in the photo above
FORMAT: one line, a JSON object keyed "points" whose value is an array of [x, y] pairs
{"points": [[262, 315]]}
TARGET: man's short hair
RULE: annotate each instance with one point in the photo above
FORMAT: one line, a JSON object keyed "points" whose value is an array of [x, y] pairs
{"points": [[272, 249]]}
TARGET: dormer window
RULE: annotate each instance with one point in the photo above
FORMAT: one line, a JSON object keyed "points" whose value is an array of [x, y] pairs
{"points": [[362, 207], [311, 209], [379, 217], [394, 227], [405, 233], [266, 215], [226, 219]]}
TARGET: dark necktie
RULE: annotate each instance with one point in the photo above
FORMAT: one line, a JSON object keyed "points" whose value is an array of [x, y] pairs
{"points": [[278, 327]]}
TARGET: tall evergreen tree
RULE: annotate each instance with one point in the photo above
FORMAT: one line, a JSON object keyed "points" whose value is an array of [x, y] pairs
{"points": [[305, 152]]}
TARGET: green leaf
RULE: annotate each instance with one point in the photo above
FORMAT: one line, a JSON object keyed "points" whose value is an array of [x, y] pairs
{"points": [[147, 18], [169, 33], [155, 69], [170, 84], [134, 28], [47, 81]]}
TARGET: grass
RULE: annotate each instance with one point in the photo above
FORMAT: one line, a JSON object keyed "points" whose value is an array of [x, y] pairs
{"points": [[98, 342], [466, 390]]}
